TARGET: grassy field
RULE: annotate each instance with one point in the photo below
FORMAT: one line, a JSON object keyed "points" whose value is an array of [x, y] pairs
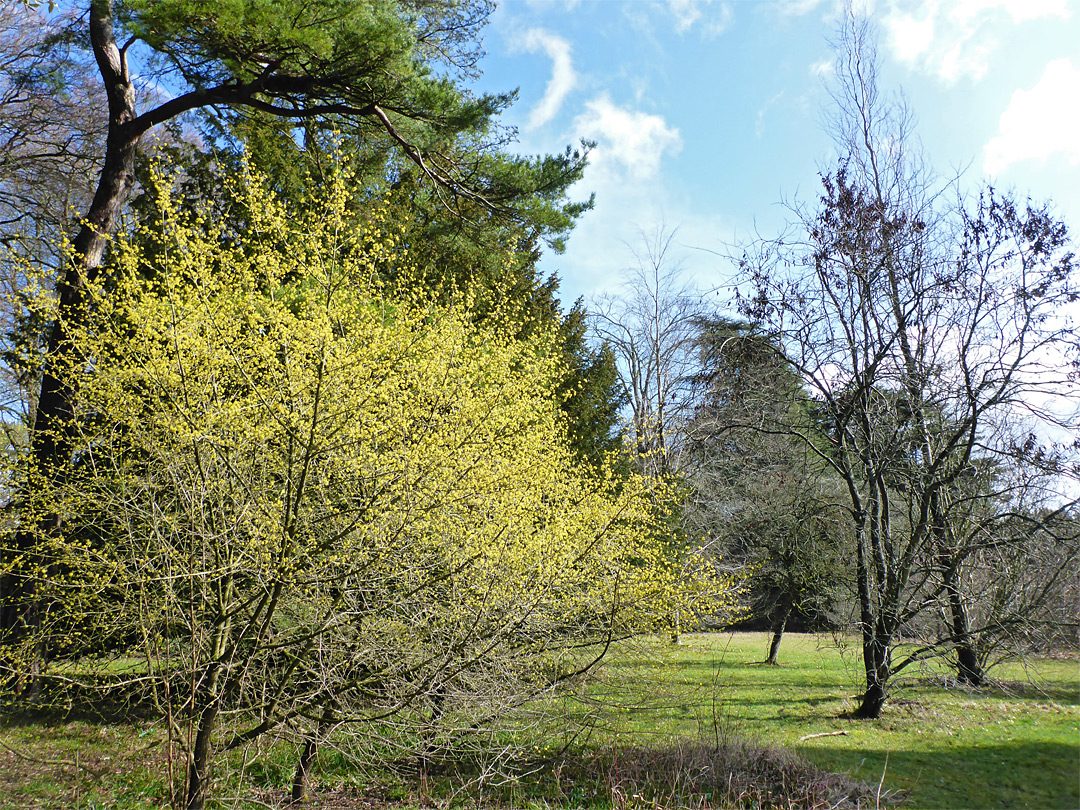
{"points": [[1013, 745]]}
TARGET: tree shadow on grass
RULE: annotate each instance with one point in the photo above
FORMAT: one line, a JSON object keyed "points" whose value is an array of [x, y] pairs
{"points": [[1041, 775]]}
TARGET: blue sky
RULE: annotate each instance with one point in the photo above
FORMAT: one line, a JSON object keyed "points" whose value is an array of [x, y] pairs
{"points": [[707, 113]]}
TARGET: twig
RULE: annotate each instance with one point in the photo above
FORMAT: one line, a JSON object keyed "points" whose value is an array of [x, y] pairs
{"points": [[823, 734], [877, 799]]}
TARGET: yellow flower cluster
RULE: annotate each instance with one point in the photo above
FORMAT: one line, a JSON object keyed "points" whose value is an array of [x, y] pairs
{"points": [[321, 491]]}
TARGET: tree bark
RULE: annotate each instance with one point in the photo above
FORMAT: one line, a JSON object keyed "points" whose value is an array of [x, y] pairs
{"points": [[303, 767], [778, 632], [51, 440], [877, 658], [968, 668], [198, 772]]}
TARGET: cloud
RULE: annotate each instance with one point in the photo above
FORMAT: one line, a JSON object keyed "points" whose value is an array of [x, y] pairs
{"points": [[688, 13], [759, 125], [910, 36], [953, 39], [563, 79], [796, 8], [1039, 122], [628, 141]]}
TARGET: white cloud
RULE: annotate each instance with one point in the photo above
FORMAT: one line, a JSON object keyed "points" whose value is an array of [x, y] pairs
{"points": [[562, 79], [688, 13], [910, 36], [1021, 10], [759, 125], [628, 141], [796, 8], [1039, 122], [953, 39]]}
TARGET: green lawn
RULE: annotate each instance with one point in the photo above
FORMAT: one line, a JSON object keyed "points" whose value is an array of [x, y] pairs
{"points": [[1013, 745]]}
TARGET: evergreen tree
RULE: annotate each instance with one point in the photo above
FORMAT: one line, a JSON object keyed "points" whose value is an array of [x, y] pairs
{"points": [[392, 71]]}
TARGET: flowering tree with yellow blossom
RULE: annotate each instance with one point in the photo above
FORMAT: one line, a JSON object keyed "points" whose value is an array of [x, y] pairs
{"points": [[310, 505]]}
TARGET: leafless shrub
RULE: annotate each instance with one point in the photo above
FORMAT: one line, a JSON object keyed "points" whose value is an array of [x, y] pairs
{"points": [[717, 773]]}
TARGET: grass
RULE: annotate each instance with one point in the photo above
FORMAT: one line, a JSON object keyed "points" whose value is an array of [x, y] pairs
{"points": [[1015, 744], [80, 764], [660, 726]]}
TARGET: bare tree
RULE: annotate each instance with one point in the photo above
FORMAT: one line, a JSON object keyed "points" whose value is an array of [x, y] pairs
{"points": [[926, 332], [650, 328]]}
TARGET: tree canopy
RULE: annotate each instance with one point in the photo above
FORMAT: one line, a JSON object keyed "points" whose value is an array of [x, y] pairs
{"points": [[387, 74], [325, 502]]}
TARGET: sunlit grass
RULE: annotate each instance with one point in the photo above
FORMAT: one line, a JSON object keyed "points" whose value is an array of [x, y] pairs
{"points": [[1014, 744]]}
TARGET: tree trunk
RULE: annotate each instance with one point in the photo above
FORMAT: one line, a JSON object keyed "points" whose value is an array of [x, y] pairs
{"points": [[877, 659], [876, 652], [198, 772], [208, 696], [872, 701], [307, 756], [303, 768], [968, 668], [875, 655], [778, 632], [51, 440]]}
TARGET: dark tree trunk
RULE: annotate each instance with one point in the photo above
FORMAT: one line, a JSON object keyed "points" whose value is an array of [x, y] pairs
{"points": [[52, 440], [303, 768], [207, 702], [21, 610], [968, 668], [779, 626], [875, 654], [307, 757], [198, 772], [872, 701], [877, 660], [877, 642]]}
